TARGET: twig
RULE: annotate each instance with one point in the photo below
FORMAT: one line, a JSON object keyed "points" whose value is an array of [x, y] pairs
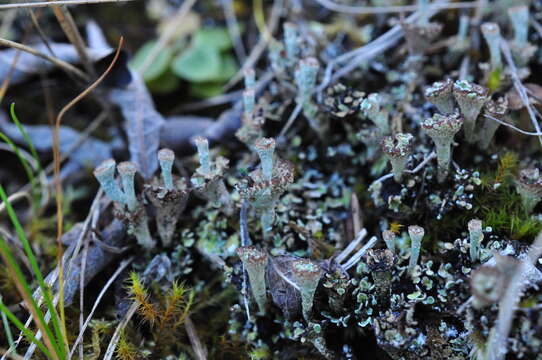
{"points": [[59, 2], [366, 10], [499, 333], [538, 133], [122, 266], [420, 166], [353, 244], [245, 241], [519, 86], [116, 335], [199, 350], [291, 119], [357, 256], [60, 63], [233, 30], [67, 23]]}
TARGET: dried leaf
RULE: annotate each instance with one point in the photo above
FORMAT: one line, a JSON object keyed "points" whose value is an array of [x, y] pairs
{"points": [[142, 123]]}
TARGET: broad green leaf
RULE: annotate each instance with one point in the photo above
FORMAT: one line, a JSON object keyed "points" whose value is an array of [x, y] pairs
{"points": [[228, 67], [164, 84], [198, 64], [217, 38], [157, 67], [206, 90]]}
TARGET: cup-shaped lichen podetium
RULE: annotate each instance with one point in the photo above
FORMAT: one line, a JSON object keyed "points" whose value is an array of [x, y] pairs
{"points": [[442, 129], [416, 234], [263, 193], [441, 95], [476, 236], [255, 262], [373, 108], [136, 216], [397, 149], [522, 50], [105, 174], [208, 180], [497, 109], [470, 98], [380, 264], [306, 274], [419, 36], [529, 187], [492, 35], [487, 286], [389, 239], [168, 197]]}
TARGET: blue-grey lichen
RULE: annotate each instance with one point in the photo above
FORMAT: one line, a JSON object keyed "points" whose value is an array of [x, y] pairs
{"points": [[307, 275], [529, 187], [442, 129], [264, 188], [470, 98], [476, 236], [208, 180], [492, 35], [497, 109], [398, 149], [255, 262], [441, 95], [374, 109], [168, 197], [416, 234]]}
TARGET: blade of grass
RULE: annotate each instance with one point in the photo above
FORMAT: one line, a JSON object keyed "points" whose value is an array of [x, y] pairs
{"points": [[25, 135], [26, 293], [37, 273], [27, 333], [9, 335]]}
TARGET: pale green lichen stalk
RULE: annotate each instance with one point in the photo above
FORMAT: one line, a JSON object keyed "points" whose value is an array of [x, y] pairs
{"points": [[166, 157], [519, 17], [127, 171], [373, 108], [389, 240], [476, 236], [397, 149], [497, 109], [265, 148], [492, 35], [529, 187], [306, 274], [441, 95], [470, 98], [442, 129], [416, 234], [255, 262], [105, 174], [202, 145]]}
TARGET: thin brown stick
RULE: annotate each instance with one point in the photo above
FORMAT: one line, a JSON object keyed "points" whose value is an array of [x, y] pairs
{"points": [[67, 23], [197, 346], [58, 183], [60, 63], [59, 2]]}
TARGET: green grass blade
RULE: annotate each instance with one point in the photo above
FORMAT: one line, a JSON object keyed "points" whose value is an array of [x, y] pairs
{"points": [[25, 135], [19, 278], [9, 335], [37, 273], [27, 333]]}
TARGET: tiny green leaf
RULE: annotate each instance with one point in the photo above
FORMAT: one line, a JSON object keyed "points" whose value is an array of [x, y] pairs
{"points": [[198, 64], [158, 67]]}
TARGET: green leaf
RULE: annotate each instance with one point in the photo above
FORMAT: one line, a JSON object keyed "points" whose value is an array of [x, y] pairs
{"points": [[164, 84], [198, 64], [217, 38], [228, 67], [206, 90], [157, 67]]}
